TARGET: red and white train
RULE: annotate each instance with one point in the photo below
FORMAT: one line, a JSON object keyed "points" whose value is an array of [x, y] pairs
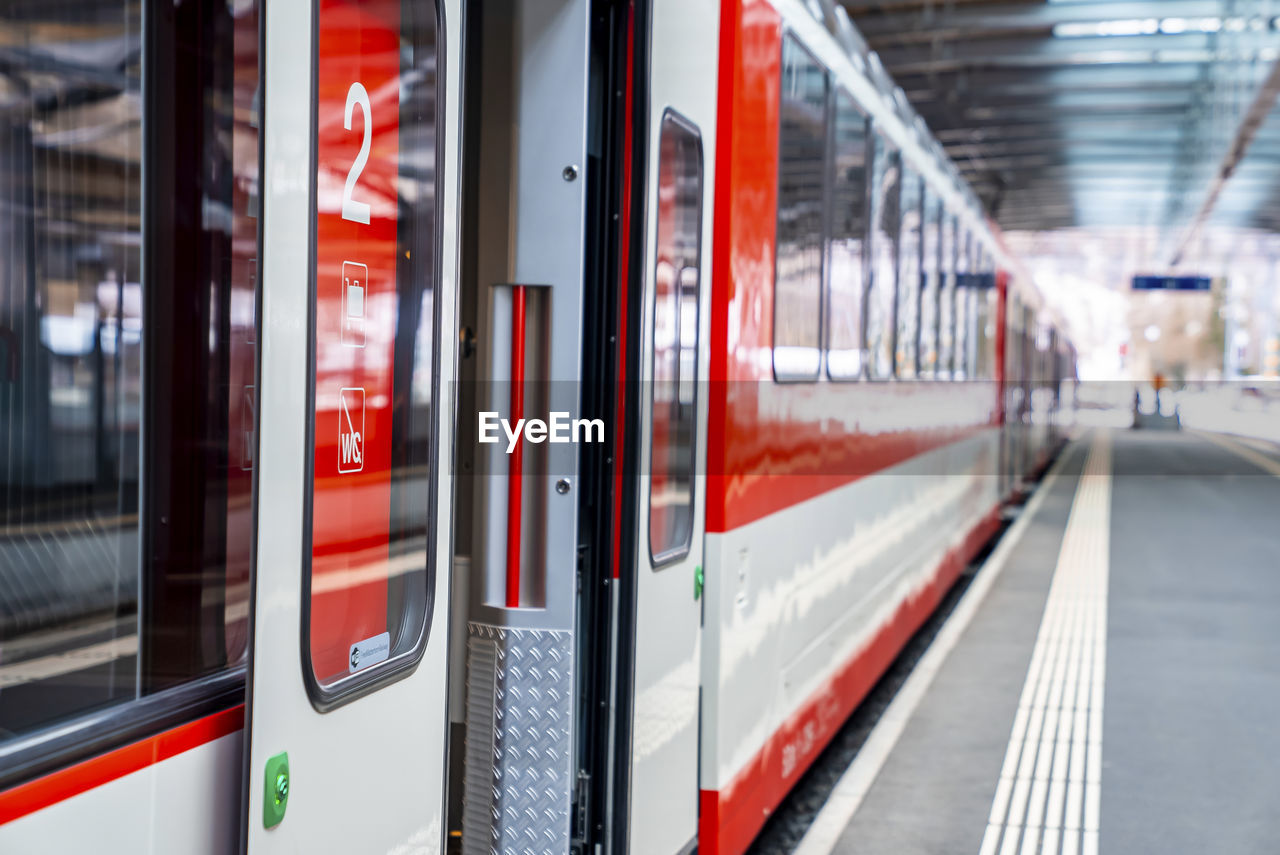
{"points": [[270, 268]]}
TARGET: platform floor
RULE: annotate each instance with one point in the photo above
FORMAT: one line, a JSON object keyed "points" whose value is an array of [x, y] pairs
{"points": [[1118, 687]]}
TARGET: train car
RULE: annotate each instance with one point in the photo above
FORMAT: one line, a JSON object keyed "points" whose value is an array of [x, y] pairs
{"points": [[854, 433], [277, 574]]}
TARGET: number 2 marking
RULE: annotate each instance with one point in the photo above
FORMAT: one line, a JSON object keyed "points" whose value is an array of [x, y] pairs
{"points": [[357, 212]]}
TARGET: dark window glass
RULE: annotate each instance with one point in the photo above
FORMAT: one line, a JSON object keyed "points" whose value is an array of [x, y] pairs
{"points": [[909, 238], [929, 278], [947, 299], [124, 566], [963, 305], [373, 468], [886, 218], [985, 324], [1027, 367], [677, 272], [848, 236], [797, 294]]}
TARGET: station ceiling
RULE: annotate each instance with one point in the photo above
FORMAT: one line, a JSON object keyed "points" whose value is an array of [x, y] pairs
{"points": [[1082, 113]]}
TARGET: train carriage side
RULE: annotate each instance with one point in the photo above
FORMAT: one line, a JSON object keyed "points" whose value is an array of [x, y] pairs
{"points": [[834, 371], [850, 470], [215, 366]]}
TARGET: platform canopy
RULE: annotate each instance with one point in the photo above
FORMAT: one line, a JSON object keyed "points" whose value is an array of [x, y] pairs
{"points": [[1079, 113]]}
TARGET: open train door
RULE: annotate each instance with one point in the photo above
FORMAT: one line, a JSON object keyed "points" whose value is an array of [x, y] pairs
{"points": [[662, 814], [346, 720]]}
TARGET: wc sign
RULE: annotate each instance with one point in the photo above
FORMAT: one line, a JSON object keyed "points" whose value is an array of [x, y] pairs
{"points": [[350, 430]]}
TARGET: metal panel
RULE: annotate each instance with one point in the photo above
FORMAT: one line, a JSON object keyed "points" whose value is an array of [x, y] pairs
{"points": [[532, 156], [518, 749]]}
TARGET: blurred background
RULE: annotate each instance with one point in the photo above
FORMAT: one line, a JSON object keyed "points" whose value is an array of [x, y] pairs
{"points": [[1112, 140]]}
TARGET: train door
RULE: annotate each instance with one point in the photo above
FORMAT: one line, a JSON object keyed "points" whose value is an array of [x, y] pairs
{"points": [[346, 693], [662, 814], [522, 285]]}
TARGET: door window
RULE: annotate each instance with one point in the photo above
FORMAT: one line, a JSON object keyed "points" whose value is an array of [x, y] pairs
{"points": [[677, 275], [374, 382]]}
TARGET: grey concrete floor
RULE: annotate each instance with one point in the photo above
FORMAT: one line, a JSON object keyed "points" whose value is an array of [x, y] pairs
{"points": [[1191, 731]]}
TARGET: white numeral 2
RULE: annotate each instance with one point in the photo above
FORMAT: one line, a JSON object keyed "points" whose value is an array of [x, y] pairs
{"points": [[357, 212]]}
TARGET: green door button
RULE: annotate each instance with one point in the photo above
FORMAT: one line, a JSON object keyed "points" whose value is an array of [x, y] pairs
{"points": [[697, 582], [276, 797]]}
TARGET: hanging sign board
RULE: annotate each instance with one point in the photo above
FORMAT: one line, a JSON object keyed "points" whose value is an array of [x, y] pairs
{"points": [[1172, 283]]}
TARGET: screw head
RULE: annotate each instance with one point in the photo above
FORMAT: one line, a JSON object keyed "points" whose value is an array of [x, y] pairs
{"points": [[569, 173], [562, 486]]}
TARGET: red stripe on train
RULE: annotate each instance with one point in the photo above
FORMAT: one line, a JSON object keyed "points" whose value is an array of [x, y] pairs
{"points": [[730, 818], [84, 776]]}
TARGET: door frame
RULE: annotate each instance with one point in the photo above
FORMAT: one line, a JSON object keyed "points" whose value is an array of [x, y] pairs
{"points": [[648, 108]]}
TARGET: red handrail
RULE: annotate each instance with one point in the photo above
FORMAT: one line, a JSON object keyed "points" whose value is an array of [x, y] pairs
{"points": [[515, 469]]}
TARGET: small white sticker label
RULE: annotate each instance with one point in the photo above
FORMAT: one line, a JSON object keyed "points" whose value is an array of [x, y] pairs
{"points": [[371, 651], [355, 281]]}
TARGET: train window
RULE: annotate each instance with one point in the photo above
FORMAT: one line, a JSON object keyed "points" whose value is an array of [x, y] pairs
{"points": [[374, 337], [946, 298], [1014, 368], [909, 246], [929, 275], [1027, 369], [802, 142], [848, 235], [128, 225], [674, 418], [886, 192], [984, 364], [962, 297]]}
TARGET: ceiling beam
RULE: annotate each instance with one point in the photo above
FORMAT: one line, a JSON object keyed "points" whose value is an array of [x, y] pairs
{"points": [[1067, 77], [1250, 122], [1113, 124], [1043, 50], [966, 21], [1084, 149], [1039, 93], [1041, 142]]}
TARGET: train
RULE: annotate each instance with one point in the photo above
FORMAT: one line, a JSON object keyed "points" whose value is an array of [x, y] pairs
{"points": [[273, 272]]}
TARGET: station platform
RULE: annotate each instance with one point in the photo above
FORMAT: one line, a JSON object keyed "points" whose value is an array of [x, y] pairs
{"points": [[1110, 682]]}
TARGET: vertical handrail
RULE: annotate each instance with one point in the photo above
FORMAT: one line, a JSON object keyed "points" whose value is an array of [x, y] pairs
{"points": [[515, 470]]}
